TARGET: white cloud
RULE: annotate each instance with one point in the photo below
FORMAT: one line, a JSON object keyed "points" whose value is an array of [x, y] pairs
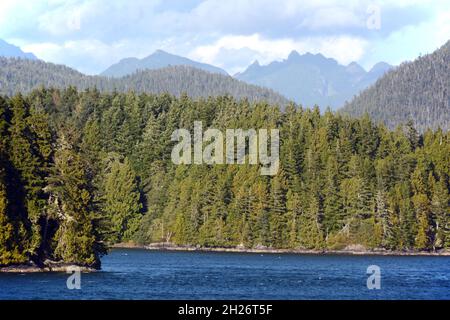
{"points": [[89, 55], [344, 49], [62, 21], [410, 41], [91, 34], [5, 6], [333, 17]]}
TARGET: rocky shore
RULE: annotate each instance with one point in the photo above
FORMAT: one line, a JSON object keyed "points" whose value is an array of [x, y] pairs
{"points": [[51, 266], [48, 266], [349, 250]]}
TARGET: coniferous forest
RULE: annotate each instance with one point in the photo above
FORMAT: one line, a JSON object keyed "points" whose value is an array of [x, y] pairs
{"points": [[82, 170], [416, 90]]}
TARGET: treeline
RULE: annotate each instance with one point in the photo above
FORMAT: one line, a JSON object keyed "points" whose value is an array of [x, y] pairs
{"points": [[418, 90], [22, 76], [80, 169]]}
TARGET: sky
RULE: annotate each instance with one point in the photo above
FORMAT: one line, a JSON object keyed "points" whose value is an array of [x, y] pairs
{"points": [[90, 35]]}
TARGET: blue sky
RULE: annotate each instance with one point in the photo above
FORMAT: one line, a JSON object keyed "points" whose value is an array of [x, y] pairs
{"points": [[90, 35]]}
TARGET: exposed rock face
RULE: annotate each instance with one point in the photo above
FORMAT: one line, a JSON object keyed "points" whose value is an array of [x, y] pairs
{"points": [[355, 248]]}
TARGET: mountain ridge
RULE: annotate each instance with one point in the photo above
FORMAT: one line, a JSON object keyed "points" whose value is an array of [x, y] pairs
{"points": [[9, 50], [158, 59], [313, 79]]}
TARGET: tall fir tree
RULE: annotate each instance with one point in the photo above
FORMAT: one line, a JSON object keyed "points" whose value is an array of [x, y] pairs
{"points": [[77, 239], [30, 152], [122, 199], [278, 212], [440, 208]]}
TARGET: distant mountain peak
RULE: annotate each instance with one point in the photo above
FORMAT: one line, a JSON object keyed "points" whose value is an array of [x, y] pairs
{"points": [[293, 55], [160, 52], [310, 58], [157, 60], [381, 66], [355, 68], [9, 50]]}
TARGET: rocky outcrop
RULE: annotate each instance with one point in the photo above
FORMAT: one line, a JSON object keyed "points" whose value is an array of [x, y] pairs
{"points": [[49, 266]]}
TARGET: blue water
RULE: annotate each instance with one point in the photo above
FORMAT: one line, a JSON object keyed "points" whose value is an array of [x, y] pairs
{"points": [[141, 274]]}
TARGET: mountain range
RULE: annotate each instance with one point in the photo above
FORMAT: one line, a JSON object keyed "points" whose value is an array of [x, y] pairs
{"points": [[308, 79], [417, 90], [327, 82], [312, 79], [159, 59], [8, 50]]}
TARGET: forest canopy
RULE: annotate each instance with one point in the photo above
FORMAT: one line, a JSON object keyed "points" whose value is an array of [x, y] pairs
{"points": [[82, 169]]}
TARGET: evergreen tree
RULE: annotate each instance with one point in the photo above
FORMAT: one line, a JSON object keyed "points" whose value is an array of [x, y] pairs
{"points": [[440, 208], [121, 201], [385, 232], [278, 216], [259, 215], [9, 251], [295, 210], [424, 238], [29, 154], [407, 221], [311, 235], [71, 203], [333, 213]]}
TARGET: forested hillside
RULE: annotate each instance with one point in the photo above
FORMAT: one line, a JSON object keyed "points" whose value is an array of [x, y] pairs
{"points": [[20, 75], [78, 169], [418, 91]]}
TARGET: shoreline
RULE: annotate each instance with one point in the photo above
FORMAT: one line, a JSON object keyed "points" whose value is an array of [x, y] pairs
{"points": [[58, 267], [350, 251]]}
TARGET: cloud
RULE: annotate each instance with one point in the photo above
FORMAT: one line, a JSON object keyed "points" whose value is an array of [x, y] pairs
{"points": [[90, 56], [409, 42], [62, 21], [106, 20], [90, 34], [331, 17], [344, 48]]}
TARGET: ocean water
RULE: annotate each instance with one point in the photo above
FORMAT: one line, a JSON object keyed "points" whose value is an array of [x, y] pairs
{"points": [[143, 274]]}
